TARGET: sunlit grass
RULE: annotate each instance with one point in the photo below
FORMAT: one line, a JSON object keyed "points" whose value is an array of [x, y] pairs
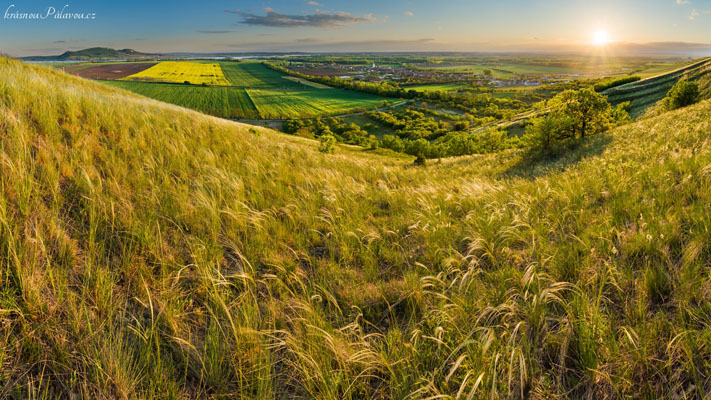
{"points": [[153, 252]]}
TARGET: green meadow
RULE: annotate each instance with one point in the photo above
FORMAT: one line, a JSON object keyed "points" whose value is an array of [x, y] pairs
{"points": [[309, 102], [222, 101]]}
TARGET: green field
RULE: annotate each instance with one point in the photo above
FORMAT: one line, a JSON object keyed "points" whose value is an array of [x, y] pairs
{"points": [[256, 75], [309, 102], [256, 91], [183, 72], [436, 87], [225, 102]]}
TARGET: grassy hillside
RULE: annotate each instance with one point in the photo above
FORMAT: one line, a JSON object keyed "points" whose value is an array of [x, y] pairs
{"points": [[153, 252], [646, 93]]}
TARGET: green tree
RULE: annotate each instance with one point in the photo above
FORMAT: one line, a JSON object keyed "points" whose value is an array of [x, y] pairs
{"points": [[684, 93], [585, 111], [327, 144], [573, 114], [542, 133]]}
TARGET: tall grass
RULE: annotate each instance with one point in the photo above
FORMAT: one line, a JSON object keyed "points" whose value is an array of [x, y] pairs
{"points": [[152, 252]]}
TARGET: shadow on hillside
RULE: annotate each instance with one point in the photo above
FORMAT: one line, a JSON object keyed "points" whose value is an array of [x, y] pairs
{"points": [[532, 166]]}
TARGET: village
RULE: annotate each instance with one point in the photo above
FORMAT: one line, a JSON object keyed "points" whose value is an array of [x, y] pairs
{"points": [[384, 73]]}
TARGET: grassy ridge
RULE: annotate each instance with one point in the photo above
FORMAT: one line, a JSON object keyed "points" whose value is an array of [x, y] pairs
{"points": [[152, 252], [645, 93]]}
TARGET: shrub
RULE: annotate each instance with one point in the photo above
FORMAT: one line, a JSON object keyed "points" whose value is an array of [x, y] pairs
{"points": [[328, 144], [420, 160], [684, 93], [393, 143]]}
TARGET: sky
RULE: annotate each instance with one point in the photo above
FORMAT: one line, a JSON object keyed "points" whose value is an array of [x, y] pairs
{"points": [[342, 26]]}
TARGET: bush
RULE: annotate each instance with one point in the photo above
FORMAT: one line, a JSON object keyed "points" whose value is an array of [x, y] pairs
{"points": [[328, 144], [684, 93], [393, 143], [420, 160]]}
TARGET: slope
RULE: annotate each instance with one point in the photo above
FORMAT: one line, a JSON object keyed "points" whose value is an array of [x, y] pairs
{"points": [[647, 92], [153, 252]]}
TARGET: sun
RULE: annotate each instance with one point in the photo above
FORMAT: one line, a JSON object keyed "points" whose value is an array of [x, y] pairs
{"points": [[600, 38]]}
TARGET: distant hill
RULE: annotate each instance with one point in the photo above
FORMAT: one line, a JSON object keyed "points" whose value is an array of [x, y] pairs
{"points": [[94, 53]]}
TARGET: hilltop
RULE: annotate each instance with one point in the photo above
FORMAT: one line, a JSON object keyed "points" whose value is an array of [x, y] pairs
{"points": [[95, 53], [155, 252]]}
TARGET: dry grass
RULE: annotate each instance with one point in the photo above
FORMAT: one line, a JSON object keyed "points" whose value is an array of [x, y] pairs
{"points": [[153, 252]]}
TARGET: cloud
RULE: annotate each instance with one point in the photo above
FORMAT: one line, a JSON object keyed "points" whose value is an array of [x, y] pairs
{"points": [[682, 1], [59, 41], [694, 13], [409, 14], [213, 32], [313, 3], [321, 19]]}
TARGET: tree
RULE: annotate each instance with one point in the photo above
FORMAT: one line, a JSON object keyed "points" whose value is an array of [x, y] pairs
{"points": [[684, 93], [542, 133], [327, 144], [573, 114], [586, 111]]}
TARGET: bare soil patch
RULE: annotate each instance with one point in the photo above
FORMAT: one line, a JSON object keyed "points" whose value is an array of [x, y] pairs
{"points": [[108, 71]]}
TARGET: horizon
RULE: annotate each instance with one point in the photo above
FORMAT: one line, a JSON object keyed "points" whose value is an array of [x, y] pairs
{"points": [[660, 27]]}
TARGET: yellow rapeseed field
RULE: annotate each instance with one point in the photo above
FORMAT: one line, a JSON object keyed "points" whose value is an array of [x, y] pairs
{"points": [[183, 72]]}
